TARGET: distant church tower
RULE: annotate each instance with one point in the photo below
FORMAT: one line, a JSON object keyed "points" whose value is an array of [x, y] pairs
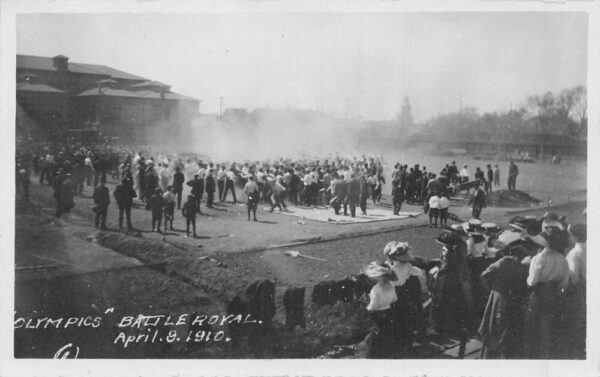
{"points": [[406, 118]]}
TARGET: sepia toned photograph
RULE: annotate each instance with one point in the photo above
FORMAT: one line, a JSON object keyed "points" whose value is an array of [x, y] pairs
{"points": [[300, 185]]}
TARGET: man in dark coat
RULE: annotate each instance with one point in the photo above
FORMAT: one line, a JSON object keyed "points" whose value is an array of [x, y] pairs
{"points": [[156, 205], [364, 194], [479, 175], [124, 194], [141, 169], [490, 178], [210, 188], [513, 172], [397, 197], [411, 185], [340, 190], [178, 179], [197, 186], [101, 200], [353, 194], [150, 184], [189, 212], [478, 201]]}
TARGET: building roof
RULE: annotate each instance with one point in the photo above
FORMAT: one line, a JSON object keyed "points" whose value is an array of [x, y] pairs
{"points": [[43, 63], [112, 92], [29, 87], [150, 84]]}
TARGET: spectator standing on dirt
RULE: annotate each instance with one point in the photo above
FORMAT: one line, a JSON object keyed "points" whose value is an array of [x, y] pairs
{"points": [[210, 188], [197, 186], [150, 183], [364, 194], [101, 201], [124, 194], [178, 179], [278, 195], [452, 172], [444, 204], [434, 210], [478, 201], [464, 174], [496, 176], [353, 196], [513, 172], [340, 191], [156, 206], [252, 193], [89, 169], [490, 179], [479, 175], [229, 185], [169, 207], [397, 197], [221, 178], [189, 212]]}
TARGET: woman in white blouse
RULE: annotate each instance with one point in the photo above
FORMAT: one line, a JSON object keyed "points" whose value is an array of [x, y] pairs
{"points": [[381, 298], [548, 276]]}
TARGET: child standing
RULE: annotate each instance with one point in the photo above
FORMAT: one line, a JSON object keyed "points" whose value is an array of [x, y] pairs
{"points": [[443, 207], [434, 211]]}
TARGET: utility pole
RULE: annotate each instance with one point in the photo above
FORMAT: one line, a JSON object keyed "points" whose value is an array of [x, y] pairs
{"points": [[221, 107]]}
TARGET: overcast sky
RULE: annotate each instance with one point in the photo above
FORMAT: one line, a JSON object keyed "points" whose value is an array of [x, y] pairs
{"points": [[356, 64]]}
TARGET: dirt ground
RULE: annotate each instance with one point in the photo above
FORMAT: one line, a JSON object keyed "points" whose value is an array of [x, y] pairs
{"points": [[65, 267]]}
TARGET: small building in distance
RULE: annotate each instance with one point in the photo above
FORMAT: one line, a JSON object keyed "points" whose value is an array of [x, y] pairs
{"points": [[58, 95]]}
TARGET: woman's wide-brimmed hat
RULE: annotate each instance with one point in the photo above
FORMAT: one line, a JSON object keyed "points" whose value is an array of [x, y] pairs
{"points": [[517, 224], [398, 251], [471, 226], [490, 228], [457, 228], [537, 239], [507, 237], [378, 269], [447, 239], [478, 237]]}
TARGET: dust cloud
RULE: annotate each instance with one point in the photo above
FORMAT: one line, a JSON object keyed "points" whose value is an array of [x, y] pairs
{"points": [[272, 134]]}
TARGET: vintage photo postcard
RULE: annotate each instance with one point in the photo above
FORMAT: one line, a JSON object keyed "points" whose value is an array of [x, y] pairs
{"points": [[307, 189]]}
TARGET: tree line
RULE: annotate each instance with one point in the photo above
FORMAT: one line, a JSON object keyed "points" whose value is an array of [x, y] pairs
{"points": [[561, 116]]}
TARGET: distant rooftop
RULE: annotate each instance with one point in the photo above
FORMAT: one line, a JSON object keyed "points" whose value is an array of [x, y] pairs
{"points": [[29, 87], [133, 94], [43, 63]]}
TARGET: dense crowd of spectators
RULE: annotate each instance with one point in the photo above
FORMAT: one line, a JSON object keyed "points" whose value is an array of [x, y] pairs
{"points": [[522, 290]]}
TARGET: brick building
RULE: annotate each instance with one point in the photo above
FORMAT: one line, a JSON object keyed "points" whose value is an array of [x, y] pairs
{"points": [[58, 95]]}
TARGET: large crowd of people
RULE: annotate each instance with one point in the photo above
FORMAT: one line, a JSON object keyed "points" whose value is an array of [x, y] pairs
{"points": [[521, 289], [342, 183]]}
